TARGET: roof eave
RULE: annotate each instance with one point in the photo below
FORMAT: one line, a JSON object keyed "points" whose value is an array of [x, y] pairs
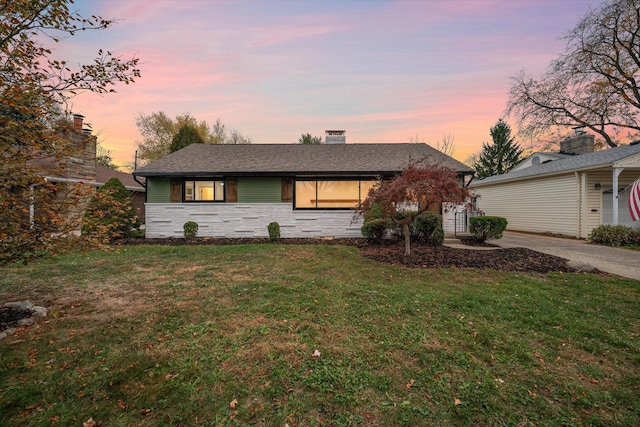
{"points": [[274, 174], [545, 175]]}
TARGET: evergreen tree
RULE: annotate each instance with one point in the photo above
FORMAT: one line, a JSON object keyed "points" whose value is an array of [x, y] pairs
{"points": [[308, 139], [501, 156], [187, 135]]}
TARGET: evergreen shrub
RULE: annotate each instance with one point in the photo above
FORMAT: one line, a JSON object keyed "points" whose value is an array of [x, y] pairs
{"points": [[487, 227], [615, 235], [425, 224], [190, 229], [376, 229], [274, 231]]}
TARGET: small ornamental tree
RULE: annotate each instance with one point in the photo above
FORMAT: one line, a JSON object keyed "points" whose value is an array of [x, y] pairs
{"points": [[420, 185], [111, 214]]}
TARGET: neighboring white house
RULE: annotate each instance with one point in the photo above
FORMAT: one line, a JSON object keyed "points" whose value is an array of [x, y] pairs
{"points": [[237, 190], [571, 195]]}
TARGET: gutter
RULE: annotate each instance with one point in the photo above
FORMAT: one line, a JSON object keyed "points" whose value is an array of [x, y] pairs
{"points": [[543, 175], [89, 183], [143, 184], [72, 180]]}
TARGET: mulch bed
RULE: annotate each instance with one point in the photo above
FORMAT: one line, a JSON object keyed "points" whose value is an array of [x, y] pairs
{"points": [[422, 256]]}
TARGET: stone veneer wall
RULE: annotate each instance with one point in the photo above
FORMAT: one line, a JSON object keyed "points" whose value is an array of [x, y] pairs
{"points": [[248, 220], [80, 165]]}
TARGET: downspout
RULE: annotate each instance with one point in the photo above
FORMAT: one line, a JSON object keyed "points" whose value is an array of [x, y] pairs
{"points": [[135, 178], [616, 174], [142, 183], [32, 208], [579, 179]]}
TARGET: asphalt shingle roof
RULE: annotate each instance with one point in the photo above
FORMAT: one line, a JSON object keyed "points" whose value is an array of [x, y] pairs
{"points": [[569, 164], [105, 174], [295, 159]]}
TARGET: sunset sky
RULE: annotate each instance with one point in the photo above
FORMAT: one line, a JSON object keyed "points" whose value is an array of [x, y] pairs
{"points": [[386, 71]]}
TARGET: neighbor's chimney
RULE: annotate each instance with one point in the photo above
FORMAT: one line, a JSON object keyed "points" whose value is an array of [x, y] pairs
{"points": [[335, 136], [580, 143], [77, 122]]}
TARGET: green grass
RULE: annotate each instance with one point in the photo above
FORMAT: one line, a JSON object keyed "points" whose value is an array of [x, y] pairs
{"points": [[153, 335]]}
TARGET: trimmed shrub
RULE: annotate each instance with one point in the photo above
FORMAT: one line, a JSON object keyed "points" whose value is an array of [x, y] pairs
{"points": [[374, 212], [425, 224], [487, 227], [437, 237], [190, 230], [376, 229], [110, 214], [615, 235], [274, 231]]}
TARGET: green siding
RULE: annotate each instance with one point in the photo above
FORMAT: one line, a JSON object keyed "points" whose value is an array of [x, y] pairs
{"points": [[259, 190], [158, 190]]}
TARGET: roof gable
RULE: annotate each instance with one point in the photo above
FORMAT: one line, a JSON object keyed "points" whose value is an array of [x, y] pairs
{"points": [[537, 158], [295, 159]]}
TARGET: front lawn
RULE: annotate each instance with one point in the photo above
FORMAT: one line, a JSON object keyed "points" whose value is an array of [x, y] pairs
{"points": [[226, 335]]}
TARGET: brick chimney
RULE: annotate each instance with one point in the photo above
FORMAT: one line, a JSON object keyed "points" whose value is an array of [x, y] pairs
{"points": [[580, 143], [335, 136], [77, 122]]}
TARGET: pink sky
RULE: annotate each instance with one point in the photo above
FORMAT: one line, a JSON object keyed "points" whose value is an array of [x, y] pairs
{"points": [[386, 71]]}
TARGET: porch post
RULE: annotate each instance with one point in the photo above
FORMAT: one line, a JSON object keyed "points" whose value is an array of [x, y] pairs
{"points": [[616, 173]]}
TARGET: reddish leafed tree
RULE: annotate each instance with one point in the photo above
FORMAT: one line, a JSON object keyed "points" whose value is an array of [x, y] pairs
{"points": [[420, 186]]}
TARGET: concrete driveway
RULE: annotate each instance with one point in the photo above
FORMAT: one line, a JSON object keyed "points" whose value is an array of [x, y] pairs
{"points": [[623, 262]]}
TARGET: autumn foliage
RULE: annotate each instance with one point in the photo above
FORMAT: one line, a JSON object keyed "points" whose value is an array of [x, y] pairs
{"points": [[111, 214], [35, 133], [421, 186]]}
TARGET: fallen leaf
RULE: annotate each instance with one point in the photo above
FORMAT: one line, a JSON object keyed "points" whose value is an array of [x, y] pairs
{"points": [[121, 404], [233, 404], [316, 353], [54, 419], [411, 383], [80, 394], [89, 423], [457, 402]]}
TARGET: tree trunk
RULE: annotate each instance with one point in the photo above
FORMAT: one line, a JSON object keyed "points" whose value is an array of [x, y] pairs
{"points": [[407, 239]]}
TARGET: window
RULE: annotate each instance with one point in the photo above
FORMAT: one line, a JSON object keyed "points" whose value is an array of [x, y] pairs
{"points": [[204, 191], [331, 194]]}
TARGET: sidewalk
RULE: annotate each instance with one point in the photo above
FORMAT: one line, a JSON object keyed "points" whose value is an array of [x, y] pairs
{"points": [[622, 262]]}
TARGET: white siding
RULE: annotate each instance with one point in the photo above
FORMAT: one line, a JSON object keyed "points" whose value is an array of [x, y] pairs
{"points": [[449, 217], [247, 220], [593, 209], [549, 205]]}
